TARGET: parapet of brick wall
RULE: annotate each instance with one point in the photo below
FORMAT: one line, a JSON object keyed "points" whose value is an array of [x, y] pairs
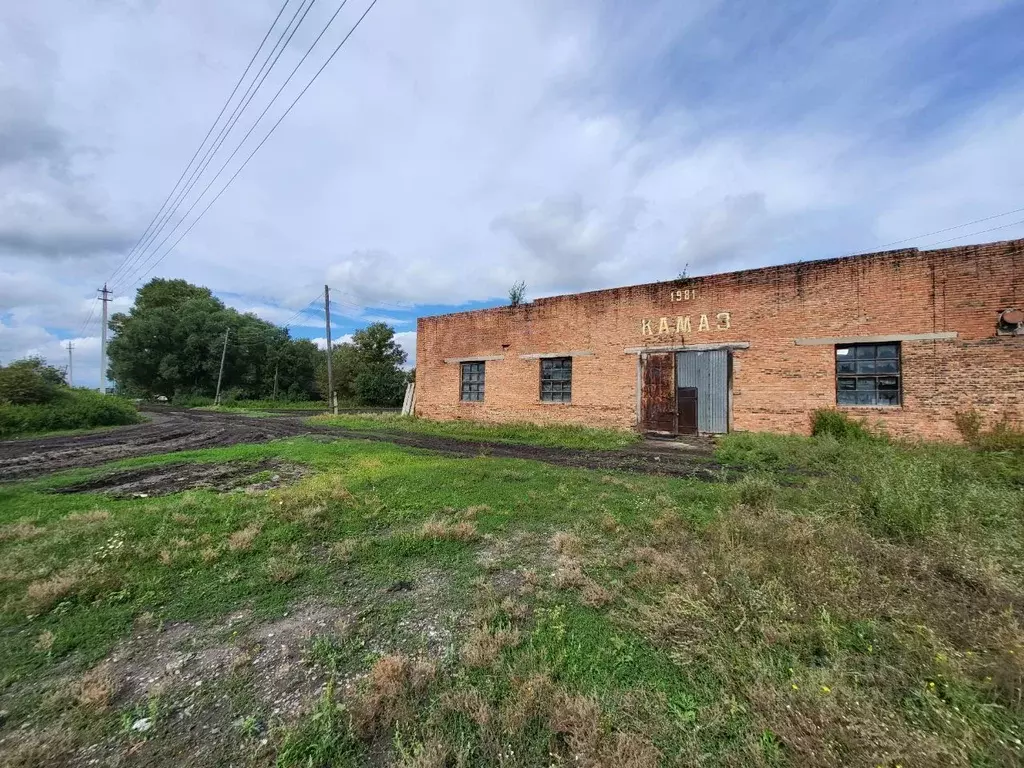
{"points": [[777, 383]]}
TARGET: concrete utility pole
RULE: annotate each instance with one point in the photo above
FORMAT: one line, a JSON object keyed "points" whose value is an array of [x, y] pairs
{"points": [[105, 296], [71, 377], [331, 396], [220, 375], [277, 365]]}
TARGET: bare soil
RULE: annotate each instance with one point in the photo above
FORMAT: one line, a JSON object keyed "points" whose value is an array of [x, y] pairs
{"points": [[181, 430], [173, 478]]}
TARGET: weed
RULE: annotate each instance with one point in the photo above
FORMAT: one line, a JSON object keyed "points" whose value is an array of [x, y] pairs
{"points": [[829, 421], [96, 688], [434, 753], [968, 424], [45, 641], [242, 540], [391, 687], [92, 516], [45, 593], [323, 738], [282, 571], [486, 643], [20, 531], [439, 530], [566, 543], [757, 492], [343, 550]]}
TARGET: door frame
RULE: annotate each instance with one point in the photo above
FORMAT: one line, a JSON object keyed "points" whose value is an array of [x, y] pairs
{"points": [[641, 351]]}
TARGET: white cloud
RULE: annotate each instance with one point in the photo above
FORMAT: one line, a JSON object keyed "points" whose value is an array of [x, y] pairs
{"points": [[454, 148], [406, 340]]}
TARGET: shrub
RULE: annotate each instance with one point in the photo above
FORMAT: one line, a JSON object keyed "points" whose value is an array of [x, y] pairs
{"points": [[29, 382], [191, 400], [968, 424], [1004, 436], [829, 421], [380, 384], [72, 409]]}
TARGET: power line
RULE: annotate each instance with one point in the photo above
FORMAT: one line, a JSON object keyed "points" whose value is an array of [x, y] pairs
{"points": [[149, 266], [92, 311], [950, 229], [220, 114], [233, 120], [972, 234], [303, 310]]}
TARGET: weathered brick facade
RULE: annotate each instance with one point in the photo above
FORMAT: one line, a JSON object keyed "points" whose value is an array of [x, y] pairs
{"points": [[781, 326]]}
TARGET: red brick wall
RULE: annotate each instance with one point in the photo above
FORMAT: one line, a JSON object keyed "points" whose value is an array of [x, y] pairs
{"points": [[776, 383]]}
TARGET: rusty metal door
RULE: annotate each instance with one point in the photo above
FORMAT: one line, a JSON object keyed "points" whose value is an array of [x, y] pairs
{"points": [[687, 399], [658, 393]]}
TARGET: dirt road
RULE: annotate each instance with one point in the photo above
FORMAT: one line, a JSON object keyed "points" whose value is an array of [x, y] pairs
{"points": [[183, 430]]}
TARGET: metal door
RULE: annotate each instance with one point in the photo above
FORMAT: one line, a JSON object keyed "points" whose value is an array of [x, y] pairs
{"points": [[658, 393], [708, 373], [686, 397]]}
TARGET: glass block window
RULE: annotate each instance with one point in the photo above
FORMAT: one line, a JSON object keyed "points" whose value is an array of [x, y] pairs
{"points": [[868, 374], [472, 381], [556, 379]]}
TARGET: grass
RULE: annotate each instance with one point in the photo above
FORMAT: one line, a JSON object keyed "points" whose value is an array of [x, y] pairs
{"points": [[556, 436], [844, 603]]}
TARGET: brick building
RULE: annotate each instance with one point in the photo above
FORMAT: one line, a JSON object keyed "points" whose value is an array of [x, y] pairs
{"points": [[905, 338]]}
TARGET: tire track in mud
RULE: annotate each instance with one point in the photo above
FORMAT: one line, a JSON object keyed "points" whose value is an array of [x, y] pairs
{"points": [[183, 430]]}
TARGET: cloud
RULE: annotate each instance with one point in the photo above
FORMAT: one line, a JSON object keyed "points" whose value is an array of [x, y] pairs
{"points": [[406, 340], [453, 149]]}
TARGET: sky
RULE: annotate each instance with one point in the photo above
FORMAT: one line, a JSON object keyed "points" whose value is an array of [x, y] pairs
{"points": [[453, 148]]}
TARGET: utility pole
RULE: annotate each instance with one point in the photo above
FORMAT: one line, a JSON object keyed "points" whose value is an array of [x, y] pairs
{"points": [[277, 365], [105, 297], [220, 375], [71, 377], [331, 397]]}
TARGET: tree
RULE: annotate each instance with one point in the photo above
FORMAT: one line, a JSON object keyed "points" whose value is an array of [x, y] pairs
{"points": [[30, 381], [380, 384], [346, 362], [376, 344], [517, 293], [170, 344]]}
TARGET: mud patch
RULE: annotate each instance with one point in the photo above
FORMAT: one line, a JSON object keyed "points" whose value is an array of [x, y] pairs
{"points": [[165, 479]]}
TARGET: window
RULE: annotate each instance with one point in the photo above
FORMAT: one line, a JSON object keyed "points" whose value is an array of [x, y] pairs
{"points": [[868, 374], [472, 381], [556, 379]]}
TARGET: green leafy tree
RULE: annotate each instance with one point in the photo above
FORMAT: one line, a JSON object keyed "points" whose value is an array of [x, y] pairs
{"points": [[367, 370], [376, 344], [170, 344], [30, 381], [346, 362], [380, 385]]}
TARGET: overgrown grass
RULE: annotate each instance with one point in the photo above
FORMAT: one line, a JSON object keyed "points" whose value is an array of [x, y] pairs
{"points": [[840, 605], [521, 433], [71, 409]]}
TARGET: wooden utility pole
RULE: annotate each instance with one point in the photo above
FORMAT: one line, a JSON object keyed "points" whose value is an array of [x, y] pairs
{"points": [[105, 297], [331, 397], [223, 354], [71, 377]]}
